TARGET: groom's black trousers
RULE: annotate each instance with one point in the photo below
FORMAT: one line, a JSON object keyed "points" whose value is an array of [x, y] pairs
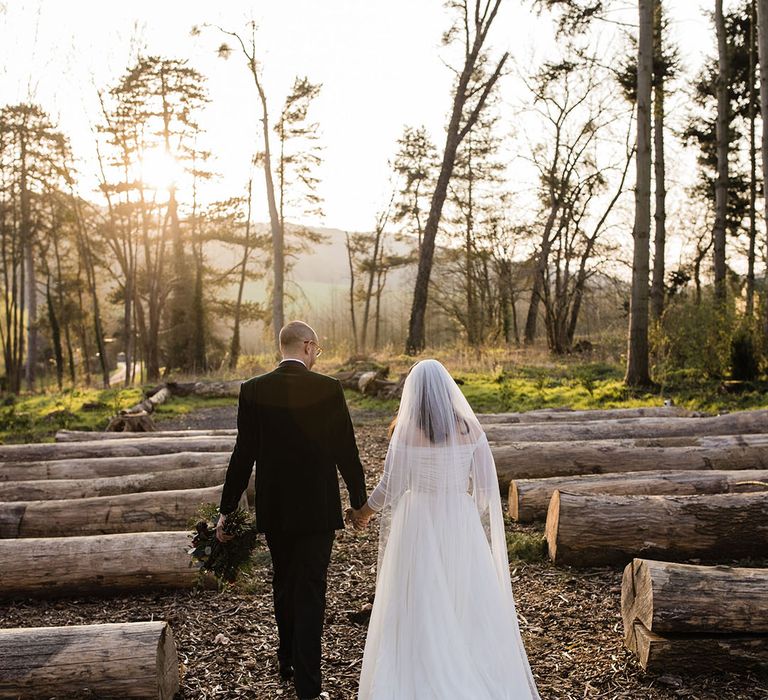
{"points": [[300, 568]]}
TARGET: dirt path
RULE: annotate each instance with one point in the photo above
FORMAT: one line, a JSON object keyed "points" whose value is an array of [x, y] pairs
{"points": [[570, 621]]}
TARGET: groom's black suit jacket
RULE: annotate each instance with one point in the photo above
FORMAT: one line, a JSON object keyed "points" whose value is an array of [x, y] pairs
{"points": [[295, 425]]}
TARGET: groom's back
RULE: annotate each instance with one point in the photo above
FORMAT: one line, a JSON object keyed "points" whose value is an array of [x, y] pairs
{"points": [[298, 417]]}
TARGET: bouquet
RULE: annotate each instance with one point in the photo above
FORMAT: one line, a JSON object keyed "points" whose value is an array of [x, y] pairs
{"points": [[225, 560]]}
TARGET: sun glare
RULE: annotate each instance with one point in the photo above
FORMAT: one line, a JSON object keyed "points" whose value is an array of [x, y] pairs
{"points": [[159, 170]]}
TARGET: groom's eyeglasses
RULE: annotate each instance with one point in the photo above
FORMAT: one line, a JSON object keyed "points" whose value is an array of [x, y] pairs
{"points": [[319, 349]]}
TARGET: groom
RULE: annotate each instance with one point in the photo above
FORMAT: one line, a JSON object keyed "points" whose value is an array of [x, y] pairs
{"points": [[295, 425]]}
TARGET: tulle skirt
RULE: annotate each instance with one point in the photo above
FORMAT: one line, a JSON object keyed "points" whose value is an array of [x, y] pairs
{"points": [[443, 625]]}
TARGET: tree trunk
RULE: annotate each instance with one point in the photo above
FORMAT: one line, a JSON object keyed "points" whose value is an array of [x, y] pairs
{"points": [[529, 498], [234, 348], [586, 530], [103, 467], [762, 46], [689, 654], [688, 599], [742, 422], [752, 116], [30, 272], [638, 373], [93, 565], [61, 489], [660, 214], [534, 460], [136, 447], [721, 183], [352, 316], [153, 511], [124, 660]]}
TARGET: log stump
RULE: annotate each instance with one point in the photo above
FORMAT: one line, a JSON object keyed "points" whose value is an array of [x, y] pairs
{"points": [[667, 597]]}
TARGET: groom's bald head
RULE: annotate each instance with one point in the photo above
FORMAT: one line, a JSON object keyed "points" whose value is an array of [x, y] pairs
{"points": [[293, 335]]}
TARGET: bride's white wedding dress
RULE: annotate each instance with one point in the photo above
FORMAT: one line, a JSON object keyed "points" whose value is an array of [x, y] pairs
{"points": [[443, 624]]}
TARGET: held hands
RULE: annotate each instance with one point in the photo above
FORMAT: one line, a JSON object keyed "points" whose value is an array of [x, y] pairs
{"points": [[359, 519]]}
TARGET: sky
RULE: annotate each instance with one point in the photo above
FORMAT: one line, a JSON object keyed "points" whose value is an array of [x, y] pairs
{"points": [[380, 63]]}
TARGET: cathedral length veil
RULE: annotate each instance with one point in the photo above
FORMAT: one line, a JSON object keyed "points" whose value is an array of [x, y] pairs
{"points": [[439, 476]]}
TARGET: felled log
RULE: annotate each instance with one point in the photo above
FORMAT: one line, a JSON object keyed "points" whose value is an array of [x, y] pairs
{"points": [[596, 530], [687, 599], [88, 435], [535, 460], [740, 423], [153, 511], [129, 447], [208, 390], [85, 565], [567, 415], [700, 653], [98, 467], [125, 660], [529, 498], [153, 399], [59, 489]]}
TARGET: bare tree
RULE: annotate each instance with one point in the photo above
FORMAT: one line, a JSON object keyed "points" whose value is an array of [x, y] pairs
{"points": [[474, 19]]}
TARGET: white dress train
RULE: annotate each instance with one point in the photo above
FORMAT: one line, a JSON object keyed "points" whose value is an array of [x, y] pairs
{"points": [[443, 625]]}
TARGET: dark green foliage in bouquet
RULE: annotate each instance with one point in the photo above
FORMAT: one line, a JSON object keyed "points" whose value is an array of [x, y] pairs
{"points": [[228, 559]]}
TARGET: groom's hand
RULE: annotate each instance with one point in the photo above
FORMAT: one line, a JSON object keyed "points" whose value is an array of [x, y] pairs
{"points": [[222, 536], [354, 518]]}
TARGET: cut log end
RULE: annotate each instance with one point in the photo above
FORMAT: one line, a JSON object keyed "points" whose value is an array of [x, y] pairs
{"points": [[553, 524], [514, 501], [167, 665]]}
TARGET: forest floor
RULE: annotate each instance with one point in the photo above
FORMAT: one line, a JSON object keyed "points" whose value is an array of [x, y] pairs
{"points": [[570, 619]]}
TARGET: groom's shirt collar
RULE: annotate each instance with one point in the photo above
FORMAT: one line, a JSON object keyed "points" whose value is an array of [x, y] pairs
{"points": [[292, 359]]}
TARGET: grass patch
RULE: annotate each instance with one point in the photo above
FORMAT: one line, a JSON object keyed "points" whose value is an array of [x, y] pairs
{"points": [[526, 546], [37, 417]]}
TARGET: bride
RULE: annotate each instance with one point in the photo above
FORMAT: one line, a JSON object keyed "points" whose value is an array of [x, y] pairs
{"points": [[443, 625]]}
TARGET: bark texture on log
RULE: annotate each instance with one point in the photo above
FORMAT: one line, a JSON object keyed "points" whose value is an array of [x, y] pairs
{"points": [[535, 460], [113, 661], [154, 511], [130, 447], [529, 498], [741, 423], [667, 597], [685, 654], [59, 489], [567, 415], [587, 530], [60, 566], [98, 467], [89, 435]]}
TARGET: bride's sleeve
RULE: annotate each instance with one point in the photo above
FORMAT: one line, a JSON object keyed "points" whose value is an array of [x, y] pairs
{"points": [[379, 495], [485, 483]]}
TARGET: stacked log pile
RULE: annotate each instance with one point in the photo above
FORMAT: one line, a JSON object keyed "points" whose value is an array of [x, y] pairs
{"points": [[106, 515], [689, 617]]}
